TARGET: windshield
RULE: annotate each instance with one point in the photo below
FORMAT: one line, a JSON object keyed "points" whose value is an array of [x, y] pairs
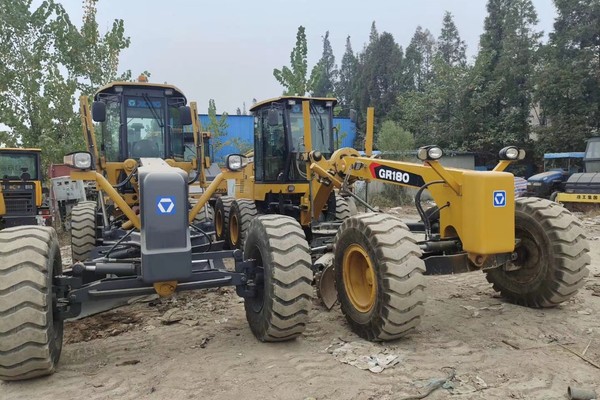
{"points": [[320, 123], [565, 164], [145, 127], [15, 165]]}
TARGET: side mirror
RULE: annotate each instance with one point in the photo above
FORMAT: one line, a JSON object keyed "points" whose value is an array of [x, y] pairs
{"points": [[185, 115], [273, 117], [236, 162], [352, 115], [99, 111]]}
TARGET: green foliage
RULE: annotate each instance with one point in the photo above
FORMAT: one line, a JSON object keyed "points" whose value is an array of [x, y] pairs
{"points": [[347, 76], [393, 138], [378, 77], [217, 127], [568, 78], [432, 108], [450, 47], [45, 60], [499, 96], [394, 142], [327, 72], [418, 62], [95, 57], [294, 78]]}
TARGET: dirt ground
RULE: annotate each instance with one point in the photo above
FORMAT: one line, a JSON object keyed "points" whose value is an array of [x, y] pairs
{"points": [[206, 351]]}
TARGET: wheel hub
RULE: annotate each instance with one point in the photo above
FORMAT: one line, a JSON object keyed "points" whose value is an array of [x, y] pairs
{"points": [[359, 278], [233, 229], [219, 223]]}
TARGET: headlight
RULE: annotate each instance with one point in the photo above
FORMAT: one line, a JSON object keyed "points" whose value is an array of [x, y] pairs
{"points": [[80, 160], [429, 153], [236, 162], [511, 153]]}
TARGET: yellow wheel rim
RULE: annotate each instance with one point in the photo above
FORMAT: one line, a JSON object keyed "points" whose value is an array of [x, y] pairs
{"points": [[219, 223], [359, 278], [233, 229]]}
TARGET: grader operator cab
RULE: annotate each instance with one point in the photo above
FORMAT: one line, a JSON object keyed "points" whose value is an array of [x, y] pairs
{"points": [[21, 200], [532, 250], [136, 120], [277, 181]]}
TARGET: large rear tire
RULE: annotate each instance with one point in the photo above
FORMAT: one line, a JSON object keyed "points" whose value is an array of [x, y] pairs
{"points": [[241, 214], [83, 230], [222, 209], [379, 276], [284, 292], [552, 255], [30, 336]]}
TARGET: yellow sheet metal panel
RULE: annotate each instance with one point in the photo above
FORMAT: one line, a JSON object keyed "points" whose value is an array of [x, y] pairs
{"points": [[488, 212], [2, 205]]}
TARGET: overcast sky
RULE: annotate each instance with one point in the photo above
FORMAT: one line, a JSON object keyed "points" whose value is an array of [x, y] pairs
{"points": [[227, 49]]}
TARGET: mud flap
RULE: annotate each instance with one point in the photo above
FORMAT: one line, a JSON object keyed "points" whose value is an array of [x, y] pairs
{"points": [[325, 281]]}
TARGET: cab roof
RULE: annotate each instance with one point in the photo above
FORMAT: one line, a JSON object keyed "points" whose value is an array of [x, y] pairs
{"points": [[23, 150], [110, 88], [285, 98]]}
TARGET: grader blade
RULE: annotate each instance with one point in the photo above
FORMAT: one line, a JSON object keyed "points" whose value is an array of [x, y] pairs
{"points": [[325, 281]]}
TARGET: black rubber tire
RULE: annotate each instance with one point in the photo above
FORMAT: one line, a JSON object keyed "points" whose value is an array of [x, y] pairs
{"points": [[342, 209], [553, 254], [30, 337], [83, 230], [398, 303], [553, 196], [222, 209], [281, 309], [241, 214], [352, 206], [201, 216]]}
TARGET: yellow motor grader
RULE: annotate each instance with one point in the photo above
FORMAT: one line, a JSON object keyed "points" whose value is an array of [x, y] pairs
{"points": [[533, 251]]}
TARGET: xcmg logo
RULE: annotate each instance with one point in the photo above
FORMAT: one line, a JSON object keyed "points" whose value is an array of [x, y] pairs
{"points": [[390, 174]]}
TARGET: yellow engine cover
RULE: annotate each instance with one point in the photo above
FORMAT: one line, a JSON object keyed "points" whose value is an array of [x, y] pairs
{"points": [[488, 212]]}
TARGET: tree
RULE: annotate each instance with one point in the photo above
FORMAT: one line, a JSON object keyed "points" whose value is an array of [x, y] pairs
{"points": [[568, 80], [326, 71], [294, 78], [217, 127], [96, 56], [395, 142], [499, 95], [43, 64], [450, 47], [347, 77], [394, 139], [378, 75], [418, 61]]}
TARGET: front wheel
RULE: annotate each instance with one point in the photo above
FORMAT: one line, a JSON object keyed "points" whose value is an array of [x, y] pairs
{"points": [[31, 334], [283, 278], [379, 276], [551, 256], [83, 230], [241, 214], [222, 209]]}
